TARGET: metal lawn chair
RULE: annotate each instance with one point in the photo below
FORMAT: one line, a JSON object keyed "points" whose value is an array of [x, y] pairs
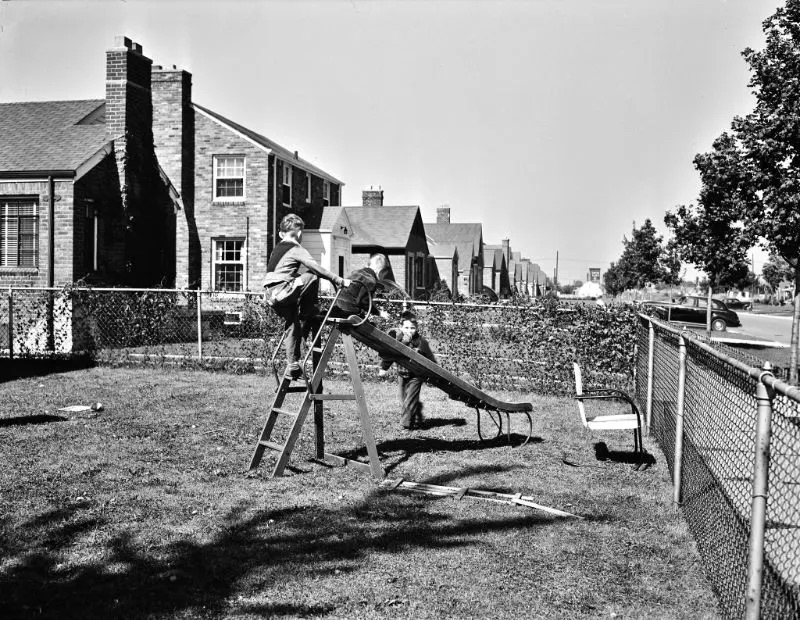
{"points": [[623, 421]]}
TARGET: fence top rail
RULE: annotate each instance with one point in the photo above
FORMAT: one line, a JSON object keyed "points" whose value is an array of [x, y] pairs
{"points": [[192, 291], [759, 374]]}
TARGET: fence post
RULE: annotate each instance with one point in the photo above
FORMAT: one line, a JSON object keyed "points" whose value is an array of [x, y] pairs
{"points": [[758, 510], [10, 323], [650, 363], [199, 326], [678, 463]]}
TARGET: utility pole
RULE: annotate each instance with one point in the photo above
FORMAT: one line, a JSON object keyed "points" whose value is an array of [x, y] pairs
{"points": [[555, 274]]}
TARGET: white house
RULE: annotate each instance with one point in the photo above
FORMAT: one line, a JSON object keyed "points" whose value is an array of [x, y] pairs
{"points": [[331, 244]]}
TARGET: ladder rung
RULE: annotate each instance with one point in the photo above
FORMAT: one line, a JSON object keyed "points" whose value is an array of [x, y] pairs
{"points": [[284, 412], [296, 388], [317, 349], [331, 397], [278, 447]]}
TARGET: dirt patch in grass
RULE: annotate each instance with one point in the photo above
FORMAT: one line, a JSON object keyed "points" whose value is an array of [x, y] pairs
{"points": [[143, 510]]}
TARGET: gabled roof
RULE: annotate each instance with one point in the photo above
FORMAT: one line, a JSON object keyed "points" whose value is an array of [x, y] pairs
{"points": [[50, 135], [468, 238], [389, 227], [495, 252], [282, 152], [335, 216], [443, 250]]}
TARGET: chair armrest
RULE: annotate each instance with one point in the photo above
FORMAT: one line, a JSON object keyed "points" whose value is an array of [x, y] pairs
{"points": [[610, 394]]}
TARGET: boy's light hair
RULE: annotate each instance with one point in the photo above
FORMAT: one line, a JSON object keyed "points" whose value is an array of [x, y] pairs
{"points": [[291, 222], [379, 261]]}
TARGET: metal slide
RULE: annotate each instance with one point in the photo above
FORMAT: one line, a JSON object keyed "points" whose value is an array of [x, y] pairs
{"points": [[435, 375]]}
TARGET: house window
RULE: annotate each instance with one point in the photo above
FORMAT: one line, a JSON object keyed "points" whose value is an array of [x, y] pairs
{"points": [[308, 187], [326, 194], [228, 178], [341, 266], [419, 273], [287, 184], [228, 265], [19, 232]]}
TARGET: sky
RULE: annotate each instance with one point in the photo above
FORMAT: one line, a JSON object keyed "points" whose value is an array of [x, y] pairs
{"points": [[557, 124]]}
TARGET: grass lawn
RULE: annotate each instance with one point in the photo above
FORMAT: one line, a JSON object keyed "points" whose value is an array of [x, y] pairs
{"points": [[142, 510]]}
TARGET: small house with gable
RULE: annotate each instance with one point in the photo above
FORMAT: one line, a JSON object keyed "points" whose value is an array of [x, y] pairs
{"points": [[468, 239], [331, 244], [398, 231]]}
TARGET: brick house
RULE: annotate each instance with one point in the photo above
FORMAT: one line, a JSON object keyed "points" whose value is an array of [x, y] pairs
{"points": [[398, 231], [446, 259], [495, 270], [145, 187], [468, 238], [243, 185], [81, 191]]}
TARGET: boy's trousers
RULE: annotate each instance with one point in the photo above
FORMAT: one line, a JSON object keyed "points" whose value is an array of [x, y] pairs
{"points": [[409, 398]]}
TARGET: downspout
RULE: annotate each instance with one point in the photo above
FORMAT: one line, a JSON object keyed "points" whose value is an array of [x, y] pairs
{"points": [[274, 204], [51, 260], [51, 233]]}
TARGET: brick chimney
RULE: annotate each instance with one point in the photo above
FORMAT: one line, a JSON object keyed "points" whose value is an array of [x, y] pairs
{"points": [[372, 197], [443, 215], [129, 105], [173, 135]]}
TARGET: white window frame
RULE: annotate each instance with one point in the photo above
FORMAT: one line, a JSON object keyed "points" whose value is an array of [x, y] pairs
{"points": [[216, 176], [308, 187], [215, 262], [287, 181], [326, 193]]}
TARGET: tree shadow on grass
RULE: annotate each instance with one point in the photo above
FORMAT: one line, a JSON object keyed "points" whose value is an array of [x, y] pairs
{"points": [[25, 368], [23, 420], [248, 553]]}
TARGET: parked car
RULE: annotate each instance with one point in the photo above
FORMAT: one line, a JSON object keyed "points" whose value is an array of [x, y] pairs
{"points": [[734, 303], [689, 309]]}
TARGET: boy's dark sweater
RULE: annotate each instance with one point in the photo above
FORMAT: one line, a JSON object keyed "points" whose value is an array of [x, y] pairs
{"points": [[418, 344], [354, 299]]}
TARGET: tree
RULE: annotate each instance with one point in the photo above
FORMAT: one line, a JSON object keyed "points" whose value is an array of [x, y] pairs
{"points": [[770, 137], [775, 271], [614, 280], [641, 258], [712, 234], [644, 261]]}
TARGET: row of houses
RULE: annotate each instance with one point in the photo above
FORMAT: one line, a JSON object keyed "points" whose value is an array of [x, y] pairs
{"points": [[146, 188]]}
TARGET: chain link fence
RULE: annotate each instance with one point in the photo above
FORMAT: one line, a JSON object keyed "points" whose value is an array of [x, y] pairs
{"points": [[496, 347], [720, 440]]}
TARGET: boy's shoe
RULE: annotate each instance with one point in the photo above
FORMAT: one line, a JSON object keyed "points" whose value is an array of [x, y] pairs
{"points": [[419, 419], [293, 371]]}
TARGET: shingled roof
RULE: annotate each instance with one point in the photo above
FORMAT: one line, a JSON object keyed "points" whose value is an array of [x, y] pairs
{"points": [[50, 135], [282, 152], [466, 237], [386, 226], [495, 252]]}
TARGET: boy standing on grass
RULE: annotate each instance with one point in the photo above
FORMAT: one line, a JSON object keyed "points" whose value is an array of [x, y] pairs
{"points": [[410, 384], [292, 289]]}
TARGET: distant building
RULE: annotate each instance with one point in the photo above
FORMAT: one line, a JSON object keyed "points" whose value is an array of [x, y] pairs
{"points": [[468, 239], [398, 231]]}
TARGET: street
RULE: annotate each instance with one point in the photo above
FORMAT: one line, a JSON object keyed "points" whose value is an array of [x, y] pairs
{"points": [[769, 327]]}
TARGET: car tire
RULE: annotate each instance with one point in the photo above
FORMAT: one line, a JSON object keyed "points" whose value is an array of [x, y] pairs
{"points": [[718, 325]]}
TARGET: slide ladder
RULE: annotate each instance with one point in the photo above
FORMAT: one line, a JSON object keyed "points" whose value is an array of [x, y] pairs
{"points": [[312, 394]]}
